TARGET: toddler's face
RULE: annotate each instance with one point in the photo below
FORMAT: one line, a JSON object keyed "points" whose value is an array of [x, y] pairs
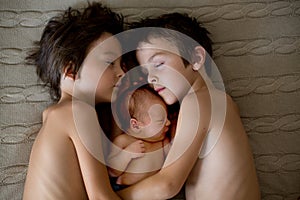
{"points": [[166, 70]]}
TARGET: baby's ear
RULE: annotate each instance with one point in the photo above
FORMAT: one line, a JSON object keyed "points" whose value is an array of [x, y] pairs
{"points": [[199, 57], [69, 71], [134, 125]]}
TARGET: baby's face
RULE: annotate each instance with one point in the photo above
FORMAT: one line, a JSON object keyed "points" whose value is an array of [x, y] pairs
{"points": [[154, 125]]}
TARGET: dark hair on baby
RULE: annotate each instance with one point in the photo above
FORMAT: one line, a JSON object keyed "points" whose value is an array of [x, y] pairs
{"points": [[66, 40]]}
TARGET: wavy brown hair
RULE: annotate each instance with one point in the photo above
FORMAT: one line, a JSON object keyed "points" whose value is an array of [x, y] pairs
{"points": [[66, 38]]}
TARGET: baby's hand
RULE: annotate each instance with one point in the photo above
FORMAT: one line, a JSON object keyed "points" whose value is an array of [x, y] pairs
{"points": [[136, 149]]}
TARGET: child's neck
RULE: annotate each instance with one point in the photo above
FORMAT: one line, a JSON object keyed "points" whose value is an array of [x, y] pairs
{"points": [[198, 85], [65, 97]]}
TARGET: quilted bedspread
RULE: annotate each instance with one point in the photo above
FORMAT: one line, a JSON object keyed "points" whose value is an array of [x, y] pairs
{"points": [[256, 48]]}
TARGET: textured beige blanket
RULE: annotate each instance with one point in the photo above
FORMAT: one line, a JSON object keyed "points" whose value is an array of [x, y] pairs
{"points": [[257, 50]]}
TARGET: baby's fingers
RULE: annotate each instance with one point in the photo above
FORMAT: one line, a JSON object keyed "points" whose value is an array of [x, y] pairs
{"points": [[136, 147], [141, 143]]}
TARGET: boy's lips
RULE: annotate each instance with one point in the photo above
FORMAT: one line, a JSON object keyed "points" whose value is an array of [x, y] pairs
{"points": [[159, 89]]}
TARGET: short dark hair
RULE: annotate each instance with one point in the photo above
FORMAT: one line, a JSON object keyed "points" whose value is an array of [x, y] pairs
{"points": [[177, 22], [67, 37]]}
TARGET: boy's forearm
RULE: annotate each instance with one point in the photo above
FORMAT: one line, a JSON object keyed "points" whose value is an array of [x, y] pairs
{"points": [[136, 192], [114, 173], [118, 163], [151, 188]]}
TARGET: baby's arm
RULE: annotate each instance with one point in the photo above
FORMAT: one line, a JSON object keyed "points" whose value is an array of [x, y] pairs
{"points": [[122, 152]]}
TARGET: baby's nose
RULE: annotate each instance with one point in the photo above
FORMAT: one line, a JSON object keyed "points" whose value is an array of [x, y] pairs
{"points": [[168, 122]]}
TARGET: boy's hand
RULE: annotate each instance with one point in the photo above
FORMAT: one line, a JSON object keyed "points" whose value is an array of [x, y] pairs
{"points": [[136, 149]]}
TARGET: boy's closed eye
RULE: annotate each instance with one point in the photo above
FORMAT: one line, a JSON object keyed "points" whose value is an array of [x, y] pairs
{"points": [[158, 64], [110, 62]]}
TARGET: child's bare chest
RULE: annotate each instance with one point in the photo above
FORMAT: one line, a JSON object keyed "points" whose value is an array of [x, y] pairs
{"points": [[153, 146]]}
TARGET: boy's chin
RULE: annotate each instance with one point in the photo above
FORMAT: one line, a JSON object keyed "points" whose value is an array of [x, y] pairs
{"points": [[170, 100]]}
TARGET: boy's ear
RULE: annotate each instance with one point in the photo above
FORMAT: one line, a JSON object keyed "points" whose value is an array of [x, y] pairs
{"points": [[69, 70], [134, 125], [199, 60]]}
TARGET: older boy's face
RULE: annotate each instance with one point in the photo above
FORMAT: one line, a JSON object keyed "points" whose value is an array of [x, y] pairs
{"points": [[111, 58], [101, 69], [166, 70]]}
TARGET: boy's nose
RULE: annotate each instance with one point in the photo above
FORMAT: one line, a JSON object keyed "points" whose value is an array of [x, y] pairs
{"points": [[119, 72], [152, 79]]}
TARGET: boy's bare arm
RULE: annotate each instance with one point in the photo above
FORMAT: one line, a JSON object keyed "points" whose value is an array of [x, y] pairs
{"points": [[120, 163], [116, 158], [87, 141]]}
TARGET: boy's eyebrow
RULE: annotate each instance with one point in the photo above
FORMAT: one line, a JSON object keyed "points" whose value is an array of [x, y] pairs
{"points": [[111, 53], [154, 55]]}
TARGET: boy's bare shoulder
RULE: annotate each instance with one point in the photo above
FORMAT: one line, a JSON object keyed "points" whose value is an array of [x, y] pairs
{"points": [[56, 110], [206, 97], [231, 104], [68, 110]]}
